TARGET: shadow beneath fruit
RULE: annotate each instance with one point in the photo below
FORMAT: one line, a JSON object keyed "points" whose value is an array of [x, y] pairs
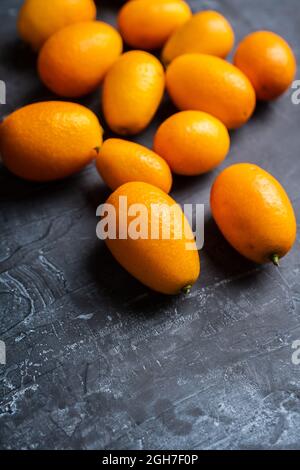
{"points": [[97, 194], [112, 5], [166, 109], [192, 185], [225, 262], [262, 111], [18, 56], [13, 188], [125, 293]]}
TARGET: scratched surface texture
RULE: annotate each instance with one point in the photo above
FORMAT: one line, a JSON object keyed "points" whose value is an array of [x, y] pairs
{"points": [[97, 361]]}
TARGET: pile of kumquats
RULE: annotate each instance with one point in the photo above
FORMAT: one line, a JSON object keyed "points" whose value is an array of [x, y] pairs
{"points": [[52, 140]]}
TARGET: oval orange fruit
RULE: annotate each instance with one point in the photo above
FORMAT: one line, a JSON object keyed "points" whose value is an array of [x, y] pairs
{"points": [[167, 265], [254, 213], [192, 142], [120, 161], [49, 140], [206, 83], [38, 20], [207, 32], [132, 91], [73, 61], [147, 24], [269, 63]]}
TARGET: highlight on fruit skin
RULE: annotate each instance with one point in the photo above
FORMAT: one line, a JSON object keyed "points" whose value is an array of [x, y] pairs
{"points": [[207, 32], [147, 24], [202, 82], [37, 20], [192, 142], [269, 63], [170, 266], [132, 92], [254, 213], [48, 141], [120, 161], [74, 60]]}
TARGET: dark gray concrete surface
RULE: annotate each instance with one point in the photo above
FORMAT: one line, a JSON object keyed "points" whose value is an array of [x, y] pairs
{"points": [[97, 361]]}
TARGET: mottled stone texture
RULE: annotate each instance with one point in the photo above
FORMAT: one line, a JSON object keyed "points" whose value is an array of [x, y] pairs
{"points": [[97, 361]]}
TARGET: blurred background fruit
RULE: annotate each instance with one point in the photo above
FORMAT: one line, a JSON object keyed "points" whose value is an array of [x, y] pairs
{"points": [[38, 20]]}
